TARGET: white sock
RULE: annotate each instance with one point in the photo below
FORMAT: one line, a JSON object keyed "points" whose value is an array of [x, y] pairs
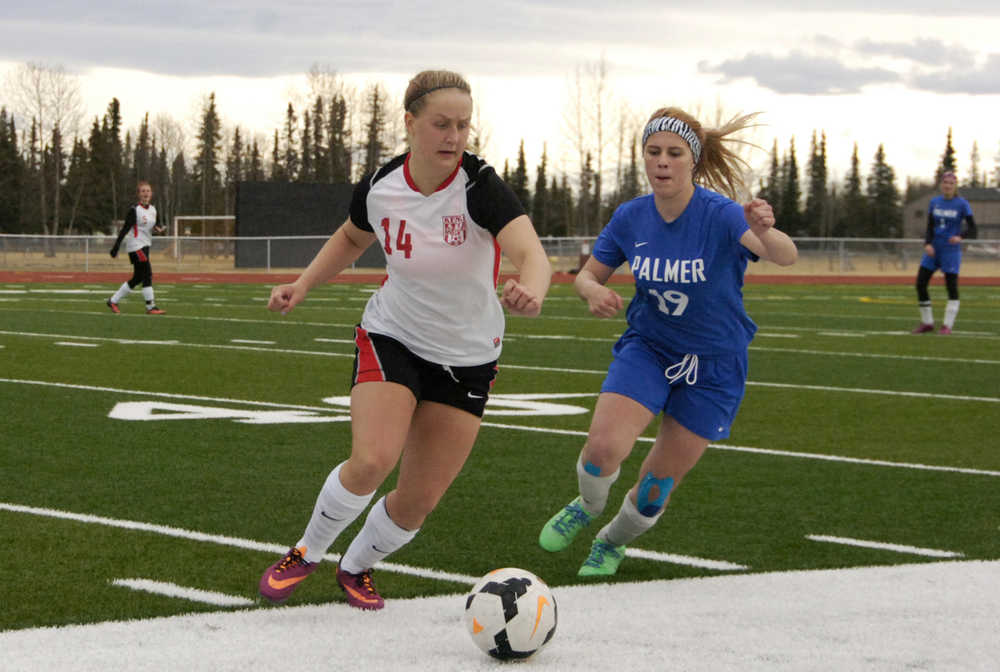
{"points": [[122, 292], [594, 489], [379, 537], [147, 293], [950, 312], [627, 524], [336, 508], [926, 313]]}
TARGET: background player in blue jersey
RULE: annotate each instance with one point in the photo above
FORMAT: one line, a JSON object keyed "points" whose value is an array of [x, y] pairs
{"points": [[684, 353], [943, 250], [429, 338]]}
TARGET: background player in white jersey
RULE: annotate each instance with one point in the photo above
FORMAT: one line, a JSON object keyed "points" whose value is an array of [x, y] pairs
{"points": [[943, 250], [141, 222], [684, 353], [429, 339]]}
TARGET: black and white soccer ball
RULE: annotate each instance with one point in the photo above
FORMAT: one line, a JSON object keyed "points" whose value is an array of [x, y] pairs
{"points": [[511, 613]]}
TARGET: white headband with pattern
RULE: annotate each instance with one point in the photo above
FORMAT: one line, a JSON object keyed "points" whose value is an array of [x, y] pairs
{"points": [[674, 125]]}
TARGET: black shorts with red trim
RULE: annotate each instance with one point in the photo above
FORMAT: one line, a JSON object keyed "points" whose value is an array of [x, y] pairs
{"points": [[139, 256], [379, 358]]}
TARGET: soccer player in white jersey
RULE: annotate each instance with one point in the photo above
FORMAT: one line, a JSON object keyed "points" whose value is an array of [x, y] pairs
{"points": [[429, 338], [141, 222], [943, 250], [684, 352]]}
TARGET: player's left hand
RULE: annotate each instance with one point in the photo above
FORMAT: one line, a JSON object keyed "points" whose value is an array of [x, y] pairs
{"points": [[759, 215], [158, 229], [519, 300], [955, 240]]}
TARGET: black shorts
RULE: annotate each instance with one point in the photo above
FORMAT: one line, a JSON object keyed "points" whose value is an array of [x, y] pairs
{"points": [[379, 358]]}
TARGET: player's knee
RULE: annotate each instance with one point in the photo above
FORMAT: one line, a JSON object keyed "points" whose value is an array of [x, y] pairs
{"points": [[652, 494], [601, 456]]}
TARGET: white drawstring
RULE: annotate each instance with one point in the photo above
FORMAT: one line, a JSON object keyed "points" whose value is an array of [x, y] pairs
{"points": [[687, 368]]}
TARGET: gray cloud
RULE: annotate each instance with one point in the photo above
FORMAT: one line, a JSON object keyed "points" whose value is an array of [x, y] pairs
{"points": [[924, 50], [974, 81], [799, 73]]}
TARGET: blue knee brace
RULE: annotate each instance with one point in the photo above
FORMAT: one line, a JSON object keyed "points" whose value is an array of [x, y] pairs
{"points": [[644, 504]]}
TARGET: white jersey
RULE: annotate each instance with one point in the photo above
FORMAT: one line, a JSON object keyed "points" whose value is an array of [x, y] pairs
{"points": [[439, 297], [139, 223]]}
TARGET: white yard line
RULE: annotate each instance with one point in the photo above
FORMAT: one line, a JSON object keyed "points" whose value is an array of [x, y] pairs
{"points": [[192, 594], [247, 544], [882, 546]]}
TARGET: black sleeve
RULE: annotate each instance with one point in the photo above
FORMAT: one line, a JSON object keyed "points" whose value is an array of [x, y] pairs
{"points": [[492, 203], [970, 231], [129, 223], [359, 204], [929, 235]]}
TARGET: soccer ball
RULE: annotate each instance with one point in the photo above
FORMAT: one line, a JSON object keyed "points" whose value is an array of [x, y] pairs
{"points": [[510, 613]]}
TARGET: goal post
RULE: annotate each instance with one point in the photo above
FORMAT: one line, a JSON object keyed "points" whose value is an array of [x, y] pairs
{"points": [[201, 227]]}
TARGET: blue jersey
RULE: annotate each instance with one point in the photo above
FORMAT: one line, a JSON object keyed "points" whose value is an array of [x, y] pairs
{"points": [[947, 215], [688, 273]]}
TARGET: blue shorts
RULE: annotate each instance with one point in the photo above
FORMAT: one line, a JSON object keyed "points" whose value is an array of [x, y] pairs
{"points": [[707, 407], [948, 259]]}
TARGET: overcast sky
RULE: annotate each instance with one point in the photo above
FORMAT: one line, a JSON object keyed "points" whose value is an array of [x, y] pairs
{"points": [[900, 74]]}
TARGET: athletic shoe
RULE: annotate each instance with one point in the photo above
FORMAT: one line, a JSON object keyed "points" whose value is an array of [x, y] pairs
{"points": [[944, 330], [563, 527], [113, 306], [603, 560], [360, 589], [281, 578], [922, 328], [154, 311]]}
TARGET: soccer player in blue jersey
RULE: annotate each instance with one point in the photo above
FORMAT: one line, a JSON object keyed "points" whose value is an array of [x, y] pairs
{"points": [[943, 250], [429, 339], [684, 352]]}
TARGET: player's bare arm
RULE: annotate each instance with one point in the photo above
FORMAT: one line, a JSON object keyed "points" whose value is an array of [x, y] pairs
{"points": [[590, 285], [342, 249], [520, 243]]}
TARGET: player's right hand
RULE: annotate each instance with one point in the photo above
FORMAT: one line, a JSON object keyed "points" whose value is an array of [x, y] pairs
{"points": [[604, 302], [284, 298]]}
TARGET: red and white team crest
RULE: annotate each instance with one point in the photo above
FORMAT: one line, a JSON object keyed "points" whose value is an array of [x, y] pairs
{"points": [[455, 229]]}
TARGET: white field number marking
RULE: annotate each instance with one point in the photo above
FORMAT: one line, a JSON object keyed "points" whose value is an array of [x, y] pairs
{"points": [[498, 404]]}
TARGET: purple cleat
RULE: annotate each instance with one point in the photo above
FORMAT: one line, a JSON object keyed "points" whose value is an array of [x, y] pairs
{"points": [[360, 589], [944, 330], [281, 578], [922, 328]]}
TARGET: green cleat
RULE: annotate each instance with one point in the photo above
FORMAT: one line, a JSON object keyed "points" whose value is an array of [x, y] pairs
{"points": [[603, 560], [563, 527]]}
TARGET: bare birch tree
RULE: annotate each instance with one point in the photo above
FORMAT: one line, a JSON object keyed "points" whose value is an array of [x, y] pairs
{"points": [[51, 96]]}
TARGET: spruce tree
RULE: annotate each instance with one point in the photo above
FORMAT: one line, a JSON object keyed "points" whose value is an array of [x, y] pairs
{"points": [[11, 176], [976, 179], [854, 214], [790, 216], [206, 175], [540, 201], [290, 152], [306, 171], [255, 164], [320, 158], [339, 141], [886, 215], [519, 180], [374, 144], [816, 197], [947, 163]]}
